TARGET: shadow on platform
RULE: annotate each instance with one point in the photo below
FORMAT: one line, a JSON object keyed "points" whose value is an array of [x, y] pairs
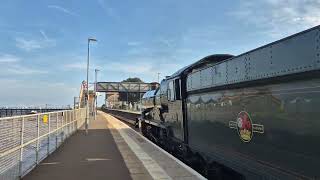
{"points": [[92, 156]]}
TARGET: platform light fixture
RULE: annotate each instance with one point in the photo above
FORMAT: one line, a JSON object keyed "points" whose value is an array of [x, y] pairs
{"points": [[87, 100], [95, 93]]}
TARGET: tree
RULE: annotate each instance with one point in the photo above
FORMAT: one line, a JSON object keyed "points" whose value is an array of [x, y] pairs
{"points": [[130, 97], [135, 79]]}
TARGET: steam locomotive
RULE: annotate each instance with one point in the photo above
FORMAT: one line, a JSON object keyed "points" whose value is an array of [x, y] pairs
{"points": [[251, 116]]}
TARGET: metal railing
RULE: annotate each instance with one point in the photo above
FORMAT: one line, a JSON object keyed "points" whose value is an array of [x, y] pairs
{"points": [[8, 112], [26, 140]]}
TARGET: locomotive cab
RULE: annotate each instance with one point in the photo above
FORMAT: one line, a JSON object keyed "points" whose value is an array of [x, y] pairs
{"points": [[171, 103]]}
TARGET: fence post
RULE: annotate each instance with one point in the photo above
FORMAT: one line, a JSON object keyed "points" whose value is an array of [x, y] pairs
{"points": [[69, 126], [68, 119], [57, 120], [49, 133], [76, 112], [73, 120], [38, 134], [62, 128], [21, 147]]}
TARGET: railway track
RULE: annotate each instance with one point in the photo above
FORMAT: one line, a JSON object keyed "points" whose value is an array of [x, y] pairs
{"points": [[127, 117]]}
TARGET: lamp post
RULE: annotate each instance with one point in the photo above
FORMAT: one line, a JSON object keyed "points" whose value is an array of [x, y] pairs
{"points": [[95, 93], [158, 77], [87, 100]]}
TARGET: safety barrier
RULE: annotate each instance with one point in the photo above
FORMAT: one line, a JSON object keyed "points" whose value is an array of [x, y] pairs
{"points": [[26, 140]]}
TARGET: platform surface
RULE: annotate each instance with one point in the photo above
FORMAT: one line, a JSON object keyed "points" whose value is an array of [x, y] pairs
{"points": [[111, 150]]}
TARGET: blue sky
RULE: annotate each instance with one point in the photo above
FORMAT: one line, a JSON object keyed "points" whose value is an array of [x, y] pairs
{"points": [[43, 43]]}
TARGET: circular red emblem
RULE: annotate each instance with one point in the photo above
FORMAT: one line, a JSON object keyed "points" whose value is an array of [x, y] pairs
{"points": [[244, 126]]}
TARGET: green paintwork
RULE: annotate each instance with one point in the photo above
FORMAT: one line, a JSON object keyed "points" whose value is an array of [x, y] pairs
{"points": [[290, 114]]}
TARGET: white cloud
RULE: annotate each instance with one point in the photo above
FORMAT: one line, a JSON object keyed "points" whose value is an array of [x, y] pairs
{"points": [[137, 68], [34, 44], [167, 42], [23, 70], [21, 84], [146, 70], [139, 50], [109, 10], [278, 18], [11, 65], [79, 66], [26, 93], [8, 58], [76, 66], [134, 43], [62, 9], [28, 45]]}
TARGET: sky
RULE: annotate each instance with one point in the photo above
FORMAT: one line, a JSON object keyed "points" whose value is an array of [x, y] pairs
{"points": [[43, 47]]}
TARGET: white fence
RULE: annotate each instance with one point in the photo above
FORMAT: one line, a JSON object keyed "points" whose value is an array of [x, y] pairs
{"points": [[26, 140]]}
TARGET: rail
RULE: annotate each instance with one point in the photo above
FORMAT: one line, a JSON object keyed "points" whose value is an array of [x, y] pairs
{"points": [[26, 140]]}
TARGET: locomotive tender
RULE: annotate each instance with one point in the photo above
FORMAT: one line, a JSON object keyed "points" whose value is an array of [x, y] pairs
{"points": [[251, 116]]}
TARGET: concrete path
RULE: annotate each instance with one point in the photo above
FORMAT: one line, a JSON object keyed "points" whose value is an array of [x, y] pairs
{"points": [[111, 150], [82, 157]]}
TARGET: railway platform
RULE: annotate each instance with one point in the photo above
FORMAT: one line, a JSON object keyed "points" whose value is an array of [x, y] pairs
{"points": [[111, 150]]}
